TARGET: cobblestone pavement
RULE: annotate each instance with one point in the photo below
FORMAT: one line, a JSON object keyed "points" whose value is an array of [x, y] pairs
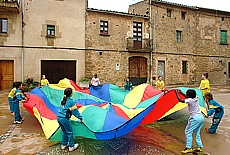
{"points": [[163, 137]]}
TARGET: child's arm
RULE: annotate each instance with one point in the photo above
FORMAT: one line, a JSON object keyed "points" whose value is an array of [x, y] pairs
{"points": [[179, 91], [211, 111]]}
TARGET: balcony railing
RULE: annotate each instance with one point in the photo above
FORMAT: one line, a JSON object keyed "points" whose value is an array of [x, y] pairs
{"points": [[10, 6], [143, 45]]}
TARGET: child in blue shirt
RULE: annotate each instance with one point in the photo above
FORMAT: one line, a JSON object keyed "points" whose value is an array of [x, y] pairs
{"points": [[213, 108], [128, 84], [68, 108], [17, 97], [11, 97]]}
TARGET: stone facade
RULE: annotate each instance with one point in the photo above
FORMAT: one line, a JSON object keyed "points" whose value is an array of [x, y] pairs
{"points": [[68, 19], [199, 41], [184, 41], [106, 51]]}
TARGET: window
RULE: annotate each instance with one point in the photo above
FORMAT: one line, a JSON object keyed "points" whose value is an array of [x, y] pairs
{"points": [[137, 35], [3, 25], [184, 67], [223, 37], [183, 15], [222, 19], [104, 27], [169, 12], [50, 30], [178, 36]]}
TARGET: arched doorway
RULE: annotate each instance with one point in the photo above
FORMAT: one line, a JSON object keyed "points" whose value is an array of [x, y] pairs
{"points": [[138, 70]]}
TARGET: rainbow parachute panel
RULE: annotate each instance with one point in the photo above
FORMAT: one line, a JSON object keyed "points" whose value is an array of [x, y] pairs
{"points": [[108, 111]]}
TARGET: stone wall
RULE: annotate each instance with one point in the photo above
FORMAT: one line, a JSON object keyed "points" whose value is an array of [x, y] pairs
{"points": [[109, 50], [200, 41], [68, 18]]}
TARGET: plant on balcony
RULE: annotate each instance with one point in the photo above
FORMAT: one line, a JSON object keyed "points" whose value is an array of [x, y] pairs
{"points": [[84, 83], [29, 84]]}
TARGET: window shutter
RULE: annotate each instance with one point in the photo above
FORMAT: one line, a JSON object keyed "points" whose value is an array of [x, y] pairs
{"points": [[223, 37]]}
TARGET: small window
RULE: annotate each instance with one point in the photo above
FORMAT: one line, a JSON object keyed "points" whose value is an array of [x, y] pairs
{"points": [[183, 15], [184, 67], [104, 27], [223, 37], [178, 36], [169, 12], [222, 19], [3, 25], [50, 30]]}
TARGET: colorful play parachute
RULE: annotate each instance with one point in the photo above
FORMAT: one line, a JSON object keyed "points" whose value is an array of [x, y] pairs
{"points": [[108, 111]]}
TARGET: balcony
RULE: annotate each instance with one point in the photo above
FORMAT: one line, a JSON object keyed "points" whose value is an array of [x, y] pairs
{"points": [[141, 46], [10, 6]]}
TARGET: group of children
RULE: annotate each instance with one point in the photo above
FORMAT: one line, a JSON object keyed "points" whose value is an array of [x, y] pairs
{"points": [[129, 85], [196, 119], [194, 125]]}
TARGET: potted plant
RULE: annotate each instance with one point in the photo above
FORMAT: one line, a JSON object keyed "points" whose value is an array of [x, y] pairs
{"points": [[84, 83]]}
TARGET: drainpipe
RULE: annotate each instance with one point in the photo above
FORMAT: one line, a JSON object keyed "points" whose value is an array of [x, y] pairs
{"points": [[151, 41], [23, 50]]}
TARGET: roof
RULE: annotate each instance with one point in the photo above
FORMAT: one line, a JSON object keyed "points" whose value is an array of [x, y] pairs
{"points": [[192, 7], [117, 13]]}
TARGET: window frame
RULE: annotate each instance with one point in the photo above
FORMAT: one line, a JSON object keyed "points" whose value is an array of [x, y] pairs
{"points": [[223, 33], [178, 39], [184, 67], [104, 27], [2, 26], [169, 12], [49, 31], [183, 15]]}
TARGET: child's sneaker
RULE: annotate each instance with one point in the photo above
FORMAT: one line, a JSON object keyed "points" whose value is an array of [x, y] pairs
{"points": [[187, 150], [17, 122], [198, 149], [73, 148], [207, 130], [64, 147]]}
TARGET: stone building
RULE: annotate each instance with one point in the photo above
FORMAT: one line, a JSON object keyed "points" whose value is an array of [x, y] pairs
{"points": [[42, 37], [117, 46], [187, 41], [64, 38]]}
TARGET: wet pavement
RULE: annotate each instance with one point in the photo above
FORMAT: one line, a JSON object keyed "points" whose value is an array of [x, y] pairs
{"points": [[164, 137]]}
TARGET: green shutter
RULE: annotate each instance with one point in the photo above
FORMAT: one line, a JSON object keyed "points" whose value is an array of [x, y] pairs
{"points": [[223, 37], [49, 27]]}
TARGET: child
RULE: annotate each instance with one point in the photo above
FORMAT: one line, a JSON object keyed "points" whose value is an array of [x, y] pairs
{"points": [[213, 108], [204, 84], [63, 115], [11, 97], [128, 84], [44, 81], [160, 83], [95, 80], [195, 121], [17, 97]]}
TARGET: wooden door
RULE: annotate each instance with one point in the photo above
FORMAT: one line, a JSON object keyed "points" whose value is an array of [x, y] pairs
{"points": [[6, 73], [56, 70], [138, 70], [137, 35]]}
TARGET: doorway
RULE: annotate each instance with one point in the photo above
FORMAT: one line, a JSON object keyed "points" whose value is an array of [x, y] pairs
{"points": [[6, 74], [56, 70], [138, 70]]}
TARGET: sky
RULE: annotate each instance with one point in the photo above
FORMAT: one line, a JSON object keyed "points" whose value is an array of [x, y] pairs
{"points": [[122, 5]]}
